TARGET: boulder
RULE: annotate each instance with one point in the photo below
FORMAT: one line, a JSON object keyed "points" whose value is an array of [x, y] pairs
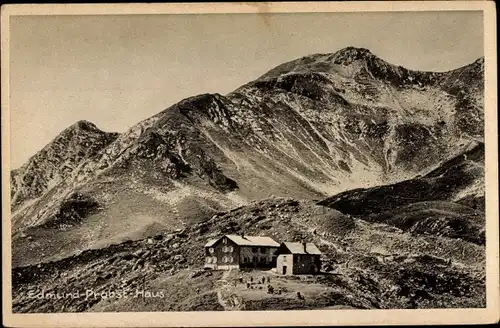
{"points": [[179, 258], [138, 252], [158, 237]]}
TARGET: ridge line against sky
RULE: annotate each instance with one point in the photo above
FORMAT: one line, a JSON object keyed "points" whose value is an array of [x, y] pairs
{"points": [[115, 71]]}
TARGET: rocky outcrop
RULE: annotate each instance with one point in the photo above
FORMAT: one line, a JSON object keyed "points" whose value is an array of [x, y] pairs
{"points": [[55, 162]]}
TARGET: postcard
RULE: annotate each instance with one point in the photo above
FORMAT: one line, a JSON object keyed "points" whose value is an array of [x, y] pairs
{"points": [[249, 164]]}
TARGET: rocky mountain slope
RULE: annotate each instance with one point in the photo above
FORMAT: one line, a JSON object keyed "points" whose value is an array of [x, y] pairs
{"points": [[308, 129], [55, 162], [366, 266], [448, 201]]}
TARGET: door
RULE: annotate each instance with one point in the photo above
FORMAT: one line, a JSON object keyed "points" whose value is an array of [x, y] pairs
{"points": [[284, 269]]}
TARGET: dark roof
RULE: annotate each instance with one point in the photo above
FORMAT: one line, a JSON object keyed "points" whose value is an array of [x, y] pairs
{"points": [[298, 248]]}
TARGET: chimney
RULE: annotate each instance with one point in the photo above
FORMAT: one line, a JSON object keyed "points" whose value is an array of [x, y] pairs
{"points": [[242, 234], [304, 244]]}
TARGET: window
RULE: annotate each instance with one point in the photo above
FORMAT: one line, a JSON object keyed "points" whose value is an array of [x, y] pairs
{"points": [[230, 249], [214, 259], [224, 249], [224, 240], [284, 258], [230, 259], [209, 259], [254, 249], [211, 250], [245, 259]]}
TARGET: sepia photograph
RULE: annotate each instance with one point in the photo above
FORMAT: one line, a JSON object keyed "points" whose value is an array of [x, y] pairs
{"points": [[278, 159]]}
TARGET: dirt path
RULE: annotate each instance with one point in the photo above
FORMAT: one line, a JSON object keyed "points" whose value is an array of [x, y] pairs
{"points": [[225, 296]]}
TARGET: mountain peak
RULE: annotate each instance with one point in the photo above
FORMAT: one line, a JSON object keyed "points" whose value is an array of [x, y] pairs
{"points": [[55, 162], [354, 51], [350, 54], [479, 63], [323, 62], [84, 125]]}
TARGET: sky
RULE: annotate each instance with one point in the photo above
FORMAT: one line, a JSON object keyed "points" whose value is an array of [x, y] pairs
{"points": [[118, 70]]}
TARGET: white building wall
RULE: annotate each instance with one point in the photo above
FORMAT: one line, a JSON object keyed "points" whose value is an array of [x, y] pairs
{"points": [[282, 261]]}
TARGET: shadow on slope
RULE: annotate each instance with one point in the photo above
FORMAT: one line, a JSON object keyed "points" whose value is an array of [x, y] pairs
{"points": [[425, 204]]}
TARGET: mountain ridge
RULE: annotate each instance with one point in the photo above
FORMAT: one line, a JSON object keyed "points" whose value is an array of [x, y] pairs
{"points": [[347, 56], [306, 134], [381, 167]]}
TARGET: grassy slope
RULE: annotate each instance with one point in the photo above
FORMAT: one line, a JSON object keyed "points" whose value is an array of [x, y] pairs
{"points": [[131, 212]]}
